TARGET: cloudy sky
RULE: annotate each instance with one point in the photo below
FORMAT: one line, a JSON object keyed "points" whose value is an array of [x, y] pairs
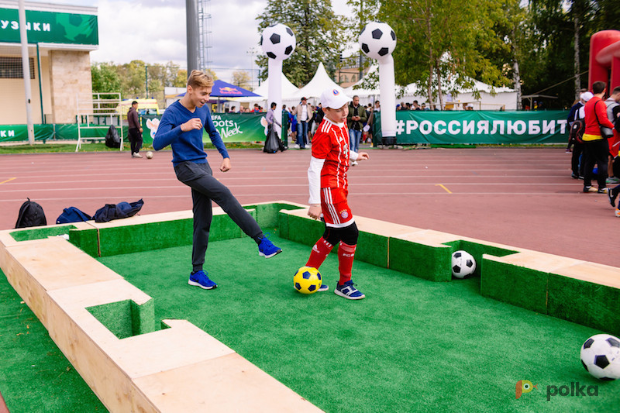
{"points": [[154, 31]]}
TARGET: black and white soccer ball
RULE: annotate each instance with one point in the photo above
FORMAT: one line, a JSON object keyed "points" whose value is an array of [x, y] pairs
{"points": [[463, 264], [600, 356], [278, 41], [377, 40]]}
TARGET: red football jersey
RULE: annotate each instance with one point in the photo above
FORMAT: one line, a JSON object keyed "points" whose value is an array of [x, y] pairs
{"points": [[331, 142]]}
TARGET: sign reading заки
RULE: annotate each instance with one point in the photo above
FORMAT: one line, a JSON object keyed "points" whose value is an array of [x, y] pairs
{"points": [[50, 27]]}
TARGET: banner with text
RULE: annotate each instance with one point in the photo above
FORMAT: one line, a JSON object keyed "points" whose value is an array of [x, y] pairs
{"points": [[477, 127], [49, 27], [233, 127]]}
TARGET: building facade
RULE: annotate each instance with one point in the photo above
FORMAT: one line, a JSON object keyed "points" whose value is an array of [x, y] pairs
{"points": [[60, 39]]}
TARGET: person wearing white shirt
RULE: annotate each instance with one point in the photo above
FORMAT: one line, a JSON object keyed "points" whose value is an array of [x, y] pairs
{"points": [[302, 111]]}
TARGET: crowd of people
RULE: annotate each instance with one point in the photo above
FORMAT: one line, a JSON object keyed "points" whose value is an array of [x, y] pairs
{"points": [[594, 140], [304, 118]]}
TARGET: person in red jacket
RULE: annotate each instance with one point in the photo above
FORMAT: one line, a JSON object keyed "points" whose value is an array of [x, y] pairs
{"points": [[596, 147]]}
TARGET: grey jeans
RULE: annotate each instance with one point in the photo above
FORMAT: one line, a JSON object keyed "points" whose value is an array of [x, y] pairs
{"points": [[205, 188]]}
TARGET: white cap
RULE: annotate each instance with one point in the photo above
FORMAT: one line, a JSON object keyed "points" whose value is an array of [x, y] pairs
{"points": [[334, 98], [585, 96]]}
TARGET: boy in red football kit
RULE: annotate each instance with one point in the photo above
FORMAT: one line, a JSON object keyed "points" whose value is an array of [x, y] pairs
{"points": [[327, 177]]}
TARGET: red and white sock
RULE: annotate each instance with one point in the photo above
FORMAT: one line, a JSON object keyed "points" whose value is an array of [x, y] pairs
{"points": [[320, 251], [346, 254]]}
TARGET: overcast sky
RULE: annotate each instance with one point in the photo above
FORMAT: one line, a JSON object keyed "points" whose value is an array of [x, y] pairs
{"points": [[154, 31]]}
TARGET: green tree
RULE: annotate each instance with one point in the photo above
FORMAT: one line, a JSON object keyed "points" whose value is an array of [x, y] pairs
{"points": [[318, 31], [440, 42], [105, 78], [241, 78], [133, 77]]}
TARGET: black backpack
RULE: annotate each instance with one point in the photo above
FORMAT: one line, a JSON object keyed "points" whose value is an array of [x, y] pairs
{"points": [[30, 215], [576, 130], [112, 140]]}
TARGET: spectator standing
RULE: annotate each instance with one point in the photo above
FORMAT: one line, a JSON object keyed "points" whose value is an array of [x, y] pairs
{"points": [[271, 118], [355, 120], [303, 113], [578, 158], [596, 147], [613, 112], [311, 125], [378, 106], [572, 116], [135, 130]]}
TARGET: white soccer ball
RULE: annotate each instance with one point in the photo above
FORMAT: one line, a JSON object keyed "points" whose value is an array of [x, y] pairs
{"points": [[377, 40], [463, 264], [278, 41], [600, 356]]}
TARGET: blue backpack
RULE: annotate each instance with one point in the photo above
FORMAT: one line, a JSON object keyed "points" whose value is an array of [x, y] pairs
{"points": [[72, 214]]}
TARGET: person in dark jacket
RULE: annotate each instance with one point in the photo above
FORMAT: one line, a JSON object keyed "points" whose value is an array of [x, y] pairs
{"points": [[135, 130], [355, 121]]}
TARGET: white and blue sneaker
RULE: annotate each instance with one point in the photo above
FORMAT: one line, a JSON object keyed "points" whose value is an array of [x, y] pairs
{"points": [[323, 287], [347, 290], [267, 249], [200, 279]]}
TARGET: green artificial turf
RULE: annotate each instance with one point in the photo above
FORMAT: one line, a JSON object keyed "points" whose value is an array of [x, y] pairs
{"points": [[41, 233], [34, 374], [411, 345]]}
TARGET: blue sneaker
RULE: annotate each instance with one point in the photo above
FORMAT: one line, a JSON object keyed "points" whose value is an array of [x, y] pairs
{"points": [[200, 279], [324, 287], [267, 249], [347, 290]]}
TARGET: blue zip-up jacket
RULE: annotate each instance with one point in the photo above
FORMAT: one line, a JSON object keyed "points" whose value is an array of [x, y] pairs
{"points": [[186, 146]]}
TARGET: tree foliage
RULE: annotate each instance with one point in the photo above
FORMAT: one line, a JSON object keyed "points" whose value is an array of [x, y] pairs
{"points": [[318, 31], [130, 79], [540, 46], [242, 79]]}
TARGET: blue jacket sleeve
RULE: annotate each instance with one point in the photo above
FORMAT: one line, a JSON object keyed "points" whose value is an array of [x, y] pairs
{"points": [[166, 133], [215, 137]]}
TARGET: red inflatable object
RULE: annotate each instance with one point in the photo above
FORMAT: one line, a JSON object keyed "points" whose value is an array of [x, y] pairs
{"points": [[605, 58]]}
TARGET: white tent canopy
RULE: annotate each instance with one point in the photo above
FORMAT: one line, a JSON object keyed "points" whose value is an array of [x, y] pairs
{"points": [[501, 97], [320, 82], [288, 89]]}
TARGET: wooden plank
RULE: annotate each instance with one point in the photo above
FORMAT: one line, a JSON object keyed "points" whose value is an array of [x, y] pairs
{"points": [[224, 384], [56, 263], [183, 344], [538, 261], [592, 272]]}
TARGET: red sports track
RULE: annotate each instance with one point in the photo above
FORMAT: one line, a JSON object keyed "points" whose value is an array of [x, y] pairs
{"points": [[521, 197]]}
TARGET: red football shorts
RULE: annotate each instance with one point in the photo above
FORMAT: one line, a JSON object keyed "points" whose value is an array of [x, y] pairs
{"points": [[335, 208]]}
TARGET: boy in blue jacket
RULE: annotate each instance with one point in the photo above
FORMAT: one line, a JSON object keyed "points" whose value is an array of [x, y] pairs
{"points": [[181, 128]]}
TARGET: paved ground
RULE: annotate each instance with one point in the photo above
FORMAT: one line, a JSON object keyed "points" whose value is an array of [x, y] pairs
{"points": [[520, 197]]}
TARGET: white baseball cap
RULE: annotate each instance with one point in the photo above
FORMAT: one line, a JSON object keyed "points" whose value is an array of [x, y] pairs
{"points": [[586, 96], [334, 98]]}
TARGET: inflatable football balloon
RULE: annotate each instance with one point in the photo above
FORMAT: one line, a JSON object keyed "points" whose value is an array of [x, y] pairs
{"points": [[278, 42], [377, 40]]}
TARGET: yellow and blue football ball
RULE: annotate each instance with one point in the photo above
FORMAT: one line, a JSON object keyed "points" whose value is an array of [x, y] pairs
{"points": [[307, 280]]}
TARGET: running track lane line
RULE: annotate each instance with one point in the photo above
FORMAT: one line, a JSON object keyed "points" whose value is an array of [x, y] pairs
{"points": [[8, 180], [447, 190]]}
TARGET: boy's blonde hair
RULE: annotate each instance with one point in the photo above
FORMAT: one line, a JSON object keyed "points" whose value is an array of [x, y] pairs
{"points": [[200, 79]]}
